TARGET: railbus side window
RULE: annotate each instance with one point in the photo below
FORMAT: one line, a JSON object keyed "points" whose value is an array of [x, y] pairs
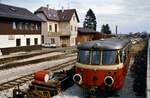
{"points": [[84, 56], [124, 55], [121, 57], [109, 57], [95, 57]]}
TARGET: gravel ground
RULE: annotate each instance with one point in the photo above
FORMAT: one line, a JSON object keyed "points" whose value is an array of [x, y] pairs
{"points": [[13, 73], [35, 57]]}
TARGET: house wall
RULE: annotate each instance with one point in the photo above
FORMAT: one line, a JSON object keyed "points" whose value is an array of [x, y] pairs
{"points": [[84, 38], [10, 40], [45, 30], [62, 27], [44, 26], [8, 35], [73, 23], [57, 40]]}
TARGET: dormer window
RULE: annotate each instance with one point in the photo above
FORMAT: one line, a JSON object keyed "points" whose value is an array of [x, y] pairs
{"points": [[14, 25]]}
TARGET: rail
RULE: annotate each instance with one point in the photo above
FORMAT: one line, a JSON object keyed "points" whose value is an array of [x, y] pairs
{"points": [[22, 80], [148, 70]]}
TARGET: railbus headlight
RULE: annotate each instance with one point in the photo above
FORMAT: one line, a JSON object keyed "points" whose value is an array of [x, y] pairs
{"points": [[108, 80], [77, 78]]}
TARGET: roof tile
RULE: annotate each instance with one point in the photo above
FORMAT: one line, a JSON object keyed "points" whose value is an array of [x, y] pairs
{"points": [[8, 11]]}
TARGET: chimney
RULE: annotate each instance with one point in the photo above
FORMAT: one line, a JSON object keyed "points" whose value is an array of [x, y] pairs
{"points": [[47, 6]]}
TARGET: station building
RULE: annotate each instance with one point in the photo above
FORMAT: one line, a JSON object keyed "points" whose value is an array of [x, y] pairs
{"points": [[20, 29]]}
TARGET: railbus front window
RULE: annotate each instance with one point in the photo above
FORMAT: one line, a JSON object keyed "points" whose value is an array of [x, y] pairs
{"points": [[109, 57], [95, 57], [84, 56]]}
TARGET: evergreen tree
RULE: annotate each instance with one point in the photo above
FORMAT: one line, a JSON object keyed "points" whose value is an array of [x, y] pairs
{"points": [[105, 29], [90, 20]]}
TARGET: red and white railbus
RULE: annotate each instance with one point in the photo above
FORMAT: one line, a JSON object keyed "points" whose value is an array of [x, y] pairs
{"points": [[102, 64]]}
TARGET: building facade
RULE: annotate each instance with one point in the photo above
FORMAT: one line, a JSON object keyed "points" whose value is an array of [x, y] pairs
{"points": [[60, 26], [20, 30], [86, 34]]}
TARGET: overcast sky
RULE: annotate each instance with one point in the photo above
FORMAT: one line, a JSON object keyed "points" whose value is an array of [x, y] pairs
{"points": [[129, 15]]}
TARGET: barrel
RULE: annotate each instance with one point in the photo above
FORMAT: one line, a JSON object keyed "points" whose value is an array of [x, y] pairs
{"points": [[42, 76]]}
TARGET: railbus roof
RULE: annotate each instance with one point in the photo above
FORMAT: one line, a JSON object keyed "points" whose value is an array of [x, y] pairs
{"points": [[105, 44]]}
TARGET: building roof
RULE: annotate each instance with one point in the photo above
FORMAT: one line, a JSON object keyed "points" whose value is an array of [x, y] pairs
{"points": [[106, 44], [57, 15], [7, 11], [82, 30]]}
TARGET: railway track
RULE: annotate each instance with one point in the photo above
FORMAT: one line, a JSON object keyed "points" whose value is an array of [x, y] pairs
{"points": [[34, 61], [9, 58], [22, 80]]}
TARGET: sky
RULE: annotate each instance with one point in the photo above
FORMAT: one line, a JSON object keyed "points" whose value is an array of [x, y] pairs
{"points": [[128, 15]]}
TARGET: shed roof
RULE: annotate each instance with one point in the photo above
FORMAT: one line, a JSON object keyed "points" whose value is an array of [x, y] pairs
{"points": [[82, 30]]}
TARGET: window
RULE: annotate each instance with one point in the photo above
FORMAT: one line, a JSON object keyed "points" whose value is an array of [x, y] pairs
{"points": [[32, 26], [39, 27], [14, 25], [26, 26], [36, 27], [50, 28], [28, 41], [121, 57], [124, 55], [52, 41], [71, 28], [73, 18], [42, 39], [75, 28], [72, 40], [84, 56], [18, 42], [20, 26], [95, 57], [55, 27], [23, 26], [35, 41], [109, 57]]}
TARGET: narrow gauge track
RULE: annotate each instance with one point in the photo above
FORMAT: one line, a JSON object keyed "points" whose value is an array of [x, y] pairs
{"points": [[22, 80]]}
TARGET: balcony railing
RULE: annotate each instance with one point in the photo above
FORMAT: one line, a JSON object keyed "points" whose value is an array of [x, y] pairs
{"points": [[58, 34]]}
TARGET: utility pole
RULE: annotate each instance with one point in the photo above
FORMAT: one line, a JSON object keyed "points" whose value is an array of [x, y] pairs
{"points": [[116, 29]]}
